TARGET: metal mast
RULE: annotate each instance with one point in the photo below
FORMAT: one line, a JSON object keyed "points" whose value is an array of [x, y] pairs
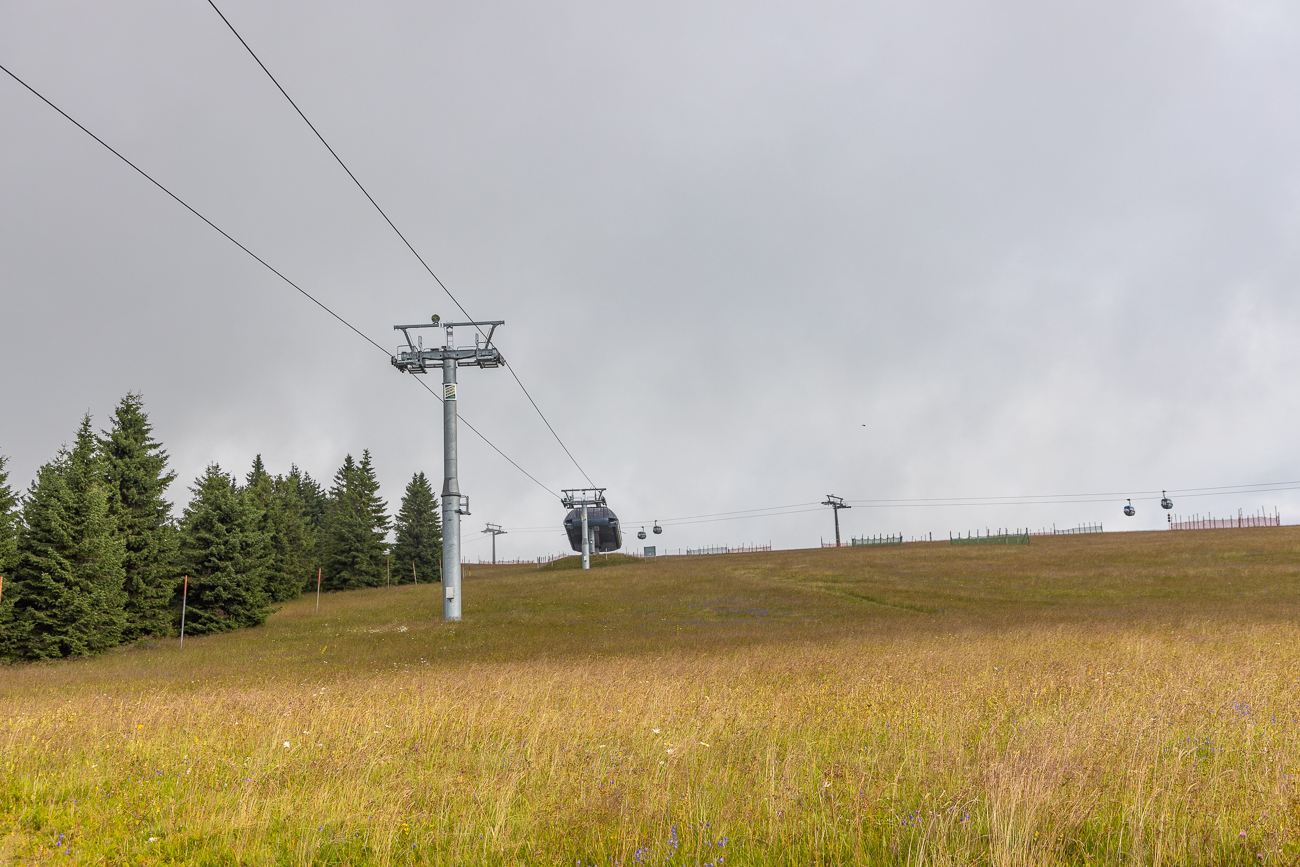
{"points": [[495, 530], [581, 498], [836, 503], [414, 358]]}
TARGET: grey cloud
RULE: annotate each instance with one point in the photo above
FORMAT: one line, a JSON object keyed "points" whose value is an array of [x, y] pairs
{"points": [[748, 254]]}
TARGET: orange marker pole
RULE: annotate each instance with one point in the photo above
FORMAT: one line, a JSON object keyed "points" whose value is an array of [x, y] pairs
{"points": [[185, 597], [318, 590]]}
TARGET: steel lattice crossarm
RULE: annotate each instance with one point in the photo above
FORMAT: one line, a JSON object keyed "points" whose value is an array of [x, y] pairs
{"points": [[575, 497], [414, 358]]}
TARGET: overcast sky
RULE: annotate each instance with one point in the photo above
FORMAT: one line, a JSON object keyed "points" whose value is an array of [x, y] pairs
{"points": [[748, 254]]}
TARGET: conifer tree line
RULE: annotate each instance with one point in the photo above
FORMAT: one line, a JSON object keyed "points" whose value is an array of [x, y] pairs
{"points": [[92, 555]]}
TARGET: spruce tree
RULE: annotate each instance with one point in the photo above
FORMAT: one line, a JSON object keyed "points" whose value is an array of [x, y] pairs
{"points": [[313, 496], [69, 599], [356, 525], [257, 496], [419, 534], [10, 525], [223, 551], [289, 537], [135, 470], [375, 509], [313, 500], [343, 538], [293, 542], [258, 472]]}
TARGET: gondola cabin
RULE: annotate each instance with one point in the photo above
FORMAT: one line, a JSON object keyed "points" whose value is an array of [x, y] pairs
{"points": [[603, 525]]}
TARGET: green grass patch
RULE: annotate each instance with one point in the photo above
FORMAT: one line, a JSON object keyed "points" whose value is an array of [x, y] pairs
{"points": [[1102, 700], [598, 561]]}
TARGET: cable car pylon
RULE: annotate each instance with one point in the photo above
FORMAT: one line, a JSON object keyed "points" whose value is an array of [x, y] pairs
{"points": [[414, 358]]}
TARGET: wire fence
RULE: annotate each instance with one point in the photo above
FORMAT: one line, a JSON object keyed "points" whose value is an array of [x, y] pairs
{"points": [[1263, 519], [1082, 528], [709, 549], [877, 540], [724, 549], [1002, 537]]}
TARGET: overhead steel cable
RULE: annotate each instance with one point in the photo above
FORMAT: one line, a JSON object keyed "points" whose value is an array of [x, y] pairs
{"points": [[491, 444], [1237, 489], [313, 299], [743, 513], [952, 502], [545, 421], [740, 514], [393, 226], [1066, 499], [189, 208], [679, 522]]}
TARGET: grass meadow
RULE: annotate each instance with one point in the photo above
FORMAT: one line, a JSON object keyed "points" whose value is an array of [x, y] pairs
{"points": [[1111, 699]]}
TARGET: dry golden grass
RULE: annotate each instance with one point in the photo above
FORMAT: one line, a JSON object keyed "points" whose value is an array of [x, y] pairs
{"points": [[1117, 699]]}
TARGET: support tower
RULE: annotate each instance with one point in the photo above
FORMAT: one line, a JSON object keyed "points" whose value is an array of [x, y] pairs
{"points": [[836, 503], [414, 358], [495, 530]]}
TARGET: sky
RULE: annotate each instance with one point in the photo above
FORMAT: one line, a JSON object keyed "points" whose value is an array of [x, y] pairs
{"points": [[748, 254]]}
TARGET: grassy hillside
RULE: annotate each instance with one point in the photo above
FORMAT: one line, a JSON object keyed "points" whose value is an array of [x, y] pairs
{"points": [[598, 561], [1110, 699]]}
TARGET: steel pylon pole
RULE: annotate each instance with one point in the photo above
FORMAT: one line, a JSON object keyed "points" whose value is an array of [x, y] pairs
{"points": [[579, 499], [450, 492], [586, 540]]}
